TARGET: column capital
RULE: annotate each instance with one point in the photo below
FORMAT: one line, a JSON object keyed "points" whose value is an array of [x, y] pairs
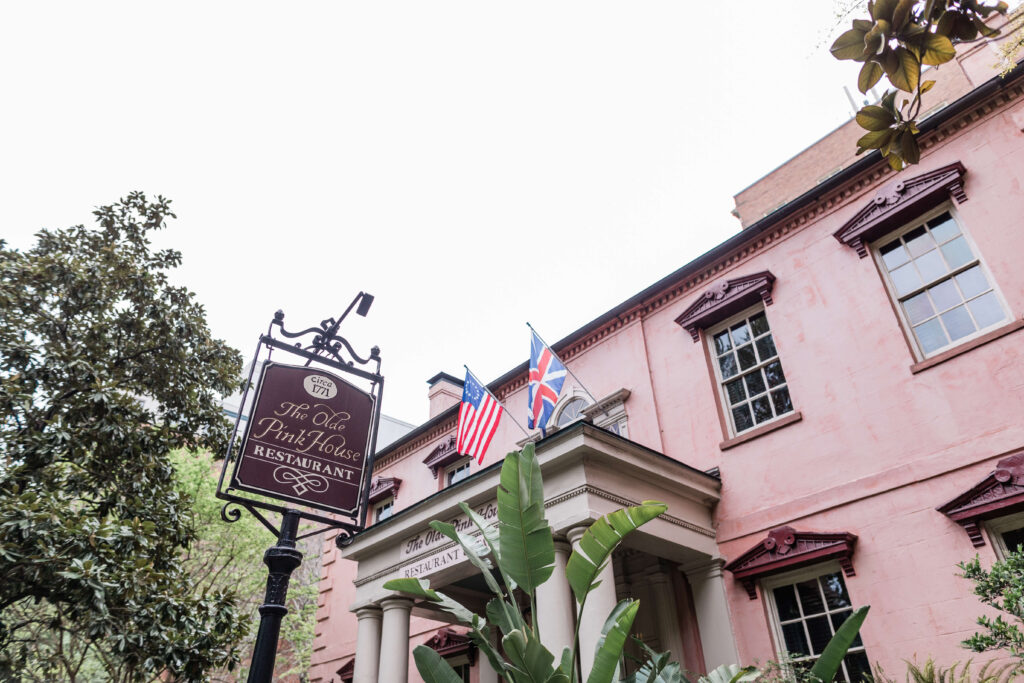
{"points": [[395, 603], [563, 546], [370, 611], [711, 568], [576, 533]]}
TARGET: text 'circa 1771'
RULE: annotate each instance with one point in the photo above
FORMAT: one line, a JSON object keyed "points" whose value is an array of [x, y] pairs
{"points": [[306, 439]]}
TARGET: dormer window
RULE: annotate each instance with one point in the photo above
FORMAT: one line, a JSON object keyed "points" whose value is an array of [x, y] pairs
{"points": [[571, 411], [457, 472]]}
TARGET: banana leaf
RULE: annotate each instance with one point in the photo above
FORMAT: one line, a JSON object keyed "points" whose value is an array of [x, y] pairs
{"points": [[432, 666], [600, 540], [831, 659], [527, 548], [531, 662], [420, 588], [613, 638], [731, 673]]}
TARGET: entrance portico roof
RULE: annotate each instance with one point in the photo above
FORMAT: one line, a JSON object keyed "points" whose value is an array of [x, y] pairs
{"points": [[588, 472]]}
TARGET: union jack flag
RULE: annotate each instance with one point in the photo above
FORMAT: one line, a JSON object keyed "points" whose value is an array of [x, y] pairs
{"points": [[546, 377], [478, 419]]}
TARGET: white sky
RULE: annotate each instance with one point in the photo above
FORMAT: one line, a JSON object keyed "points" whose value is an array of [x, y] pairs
{"points": [[474, 165]]}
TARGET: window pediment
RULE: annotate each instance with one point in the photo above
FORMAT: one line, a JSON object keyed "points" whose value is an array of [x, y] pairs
{"points": [[786, 548], [1000, 493], [383, 487], [448, 642], [726, 298], [443, 455], [900, 201]]}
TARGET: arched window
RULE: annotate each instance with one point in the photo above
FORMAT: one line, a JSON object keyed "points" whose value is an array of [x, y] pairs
{"points": [[571, 411]]}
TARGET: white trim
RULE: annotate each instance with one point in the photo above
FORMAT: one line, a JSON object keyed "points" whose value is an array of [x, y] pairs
{"points": [[768, 585], [709, 339], [466, 461], [901, 315], [999, 526]]}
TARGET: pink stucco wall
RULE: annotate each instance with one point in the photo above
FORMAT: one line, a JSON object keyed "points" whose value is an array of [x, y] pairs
{"points": [[878, 447]]}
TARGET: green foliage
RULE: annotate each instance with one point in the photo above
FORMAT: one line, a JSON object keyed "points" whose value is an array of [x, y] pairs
{"points": [[522, 550], [831, 659], [930, 672], [897, 39], [657, 668], [731, 673], [105, 368], [1001, 587]]}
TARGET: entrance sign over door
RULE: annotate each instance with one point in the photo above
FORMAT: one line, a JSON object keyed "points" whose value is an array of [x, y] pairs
{"points": [[306, 439]]}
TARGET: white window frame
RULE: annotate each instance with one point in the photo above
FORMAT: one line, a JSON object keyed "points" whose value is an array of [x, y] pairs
{"points": [[770, 583], [1000, 525], [709, 339], [460, 660], [566, 401], [377, 507], [454, 467], [890, 288]]}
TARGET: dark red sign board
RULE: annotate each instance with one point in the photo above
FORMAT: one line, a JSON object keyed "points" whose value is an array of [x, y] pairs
{"points": [[306, 439]]}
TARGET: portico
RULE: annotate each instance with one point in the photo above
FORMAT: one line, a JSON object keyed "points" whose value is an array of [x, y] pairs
{"points": [[671, 564]]}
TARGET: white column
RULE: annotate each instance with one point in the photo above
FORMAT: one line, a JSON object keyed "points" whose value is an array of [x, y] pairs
{"points": [[666, 613], [394, 644], [600, 604], [367, 644], [556, 607], [487, 674], [712, 608]]}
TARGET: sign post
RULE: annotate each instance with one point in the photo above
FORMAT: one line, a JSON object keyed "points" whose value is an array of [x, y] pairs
{"points": [[309, 441]]}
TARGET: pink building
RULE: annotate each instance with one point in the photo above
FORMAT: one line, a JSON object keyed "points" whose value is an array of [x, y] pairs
{"points": [[829, 402]]}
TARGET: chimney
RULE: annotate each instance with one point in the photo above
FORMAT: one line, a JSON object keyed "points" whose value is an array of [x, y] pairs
{"points": [[445, 392]]}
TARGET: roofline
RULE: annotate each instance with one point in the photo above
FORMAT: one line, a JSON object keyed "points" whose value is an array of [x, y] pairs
{"points": [[446, 377], [812, 195]]}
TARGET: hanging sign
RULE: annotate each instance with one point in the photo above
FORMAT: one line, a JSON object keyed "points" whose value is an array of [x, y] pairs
{"points": [[306, 439]]}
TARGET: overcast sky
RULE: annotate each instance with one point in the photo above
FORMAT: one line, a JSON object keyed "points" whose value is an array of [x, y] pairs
{"points": [[474, 165]]}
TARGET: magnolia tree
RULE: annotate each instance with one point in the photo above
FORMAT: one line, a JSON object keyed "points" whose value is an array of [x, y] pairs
{"points": [[521, 550], [896, 40]]}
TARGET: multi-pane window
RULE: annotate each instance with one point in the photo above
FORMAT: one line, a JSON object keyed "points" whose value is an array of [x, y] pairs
{"points": [[1006, 534], [750, 373], [807, 615], [384, 510], [942, 290], [458, 472], [571, 411]]}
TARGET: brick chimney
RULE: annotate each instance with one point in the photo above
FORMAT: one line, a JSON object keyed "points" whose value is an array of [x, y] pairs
{"points": [[445, 392]]}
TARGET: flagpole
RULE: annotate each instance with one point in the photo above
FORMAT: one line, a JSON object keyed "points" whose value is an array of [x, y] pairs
{"points": [[571, 373], [491, 393]]}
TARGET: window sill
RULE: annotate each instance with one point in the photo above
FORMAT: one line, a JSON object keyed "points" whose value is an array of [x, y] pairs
{"points": [[967, 346], [760, 431]]}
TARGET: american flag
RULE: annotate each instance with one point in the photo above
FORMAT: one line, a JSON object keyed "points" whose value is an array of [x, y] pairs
{"points": [[478, 419], [546, 377]]}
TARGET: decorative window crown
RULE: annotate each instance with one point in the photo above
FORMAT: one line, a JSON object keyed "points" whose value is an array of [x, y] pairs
{"points": [[786, 548], [1000, 493], [383, 487], [726, 298], [448, 642], [901, 201], [443, 455]]}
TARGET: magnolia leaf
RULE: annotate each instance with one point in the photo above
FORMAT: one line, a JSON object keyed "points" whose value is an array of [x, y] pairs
{"points": [[909, 149], [873, 117], [849, 45], [870, 74], [876, 139], [908, 70], [882, 10], [901, 15], [926, 86], [938, 49]]}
